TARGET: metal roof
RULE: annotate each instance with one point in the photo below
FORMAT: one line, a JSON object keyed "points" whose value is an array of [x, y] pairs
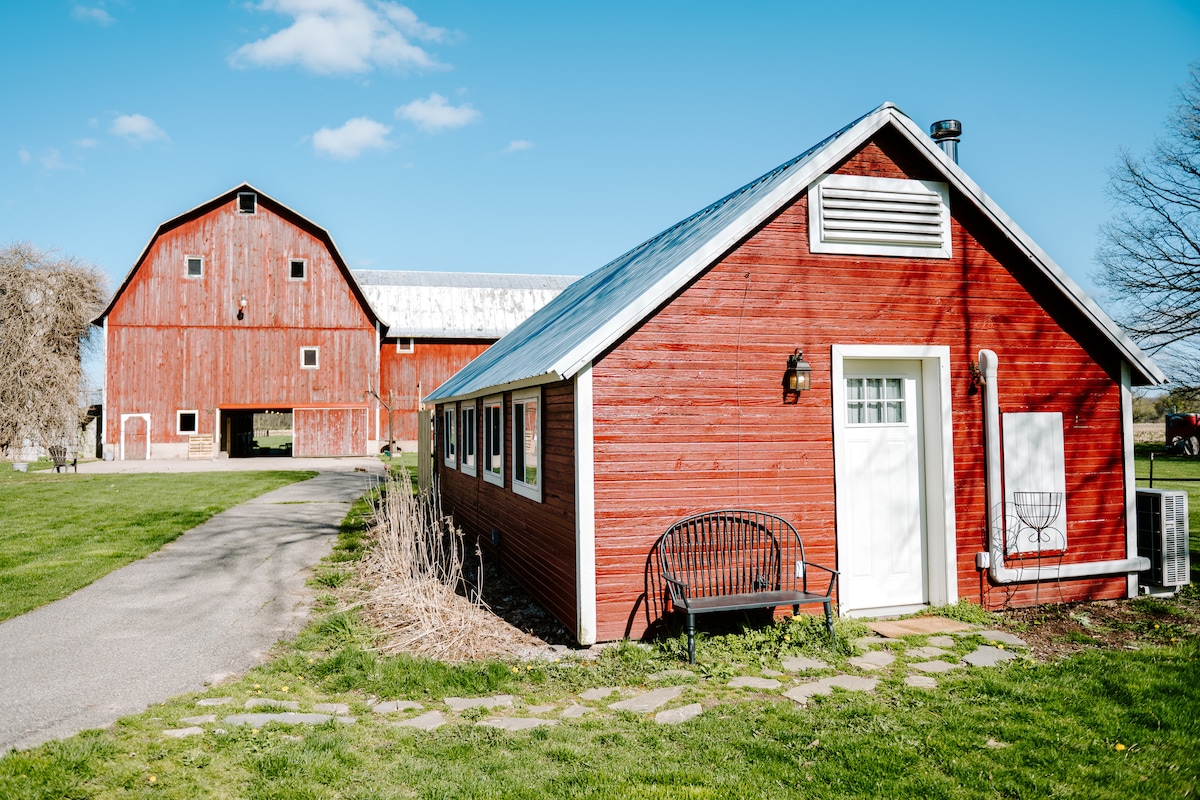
{"points": [[456, 305], [591, 314]]}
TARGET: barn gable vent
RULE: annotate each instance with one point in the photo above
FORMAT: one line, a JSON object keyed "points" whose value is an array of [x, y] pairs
{"points": [[860, 215]]}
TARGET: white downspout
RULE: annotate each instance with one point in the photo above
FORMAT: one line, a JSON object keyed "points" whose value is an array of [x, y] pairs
{"points": [[993, 559]]}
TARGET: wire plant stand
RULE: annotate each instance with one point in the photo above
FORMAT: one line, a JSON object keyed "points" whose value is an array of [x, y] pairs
{"points": [[1038, 511]]}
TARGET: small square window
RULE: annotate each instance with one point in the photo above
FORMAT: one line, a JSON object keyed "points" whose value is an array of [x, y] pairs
{"points": [[195, 267], [247, 202], [297, 269], [186, 422], [308, 357], [404, 345]]}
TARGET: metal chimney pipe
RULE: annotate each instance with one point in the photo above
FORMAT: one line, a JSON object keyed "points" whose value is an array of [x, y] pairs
{"points": [[946, 132]]}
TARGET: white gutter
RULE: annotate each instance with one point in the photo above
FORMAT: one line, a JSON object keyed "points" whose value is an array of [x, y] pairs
{"points": [[993, 559]]}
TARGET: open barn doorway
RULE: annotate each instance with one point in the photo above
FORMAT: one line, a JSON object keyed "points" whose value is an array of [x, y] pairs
{"points": [[257, 433]]}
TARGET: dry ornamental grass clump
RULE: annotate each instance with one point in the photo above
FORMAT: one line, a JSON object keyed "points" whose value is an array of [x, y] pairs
{"points": [[418, 596]]}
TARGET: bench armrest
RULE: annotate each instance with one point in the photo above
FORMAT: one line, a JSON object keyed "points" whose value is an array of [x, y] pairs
{"points": [[833, 576], [679, 590]]}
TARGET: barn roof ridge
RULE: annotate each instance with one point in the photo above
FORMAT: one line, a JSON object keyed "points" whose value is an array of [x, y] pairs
{"points": [[595, 311]]}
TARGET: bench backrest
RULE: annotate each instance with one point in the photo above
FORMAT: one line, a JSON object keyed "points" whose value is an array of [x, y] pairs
{"points": [[733, 551], [58, 453]]}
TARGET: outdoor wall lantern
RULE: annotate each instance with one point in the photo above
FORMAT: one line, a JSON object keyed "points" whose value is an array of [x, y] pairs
{"points": [[797, 377], [242, 308]]}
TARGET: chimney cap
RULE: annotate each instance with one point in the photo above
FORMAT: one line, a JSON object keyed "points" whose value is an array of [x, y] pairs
{"points": [[945, 129]]}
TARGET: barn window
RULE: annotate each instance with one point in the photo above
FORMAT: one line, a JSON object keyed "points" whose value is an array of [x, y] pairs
{"points": [[297, 269], [186, 422], [404, 345], [470, 435], [195, 266], [247, 202], [308, 357], [493, 440], [860, 215], [449, 438], [527, 444]]}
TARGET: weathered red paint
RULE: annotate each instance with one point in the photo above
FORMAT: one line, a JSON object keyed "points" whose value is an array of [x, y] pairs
{"points": [[406, 377]]}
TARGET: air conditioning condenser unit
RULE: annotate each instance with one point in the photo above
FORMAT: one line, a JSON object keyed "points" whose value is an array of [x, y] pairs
{"points": [[1162, 536]]}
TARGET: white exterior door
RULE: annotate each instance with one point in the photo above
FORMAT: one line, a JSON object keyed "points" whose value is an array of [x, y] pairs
{"points": [[881, 491]]}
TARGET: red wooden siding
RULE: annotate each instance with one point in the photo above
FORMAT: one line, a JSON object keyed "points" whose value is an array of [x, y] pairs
{"points": [[330, 431], [410, 376], [536, 540], [175, 342]]}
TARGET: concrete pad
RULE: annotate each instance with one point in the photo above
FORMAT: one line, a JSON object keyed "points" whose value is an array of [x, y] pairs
{"points": [[941, 641], [650, 701], [802, 664], [988, 656], [926, 652], [340, 709], [575, 712], [214, 701], [934, 667], [180, 733], [865, 642], [771, 673], [750, 682], [392, 706], [259, 702], [201, 720], [1003, 637], [461, 704], [896, 628], [804, 692], [516, 723], [674, 716], [920, 681], [599, 693], [874, 660], [284, 718], [429, 721]]}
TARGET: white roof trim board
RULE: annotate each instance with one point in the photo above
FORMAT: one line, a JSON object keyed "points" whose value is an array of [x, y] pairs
{"points": [[595, 311]]}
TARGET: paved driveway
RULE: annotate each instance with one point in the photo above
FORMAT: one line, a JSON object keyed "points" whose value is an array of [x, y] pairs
{"points": [[206, 606]]}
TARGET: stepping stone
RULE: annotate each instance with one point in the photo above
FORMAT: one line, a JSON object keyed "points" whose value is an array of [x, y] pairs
{"points": [[750, 682], [650, 701], [201, 720], [598, 693], [802, 664], [874, 660], [460, 704], [674, 716], [934, 667], [941, 641], [772, 673], [575, 712], [539, 709], [896, 628], [1003, 637], [926, 652], [854, 683], [516, 723], [429, 721], [341, 709], [673, 675], [869, 641], [920, 682], [179, 733], [214, 701], [259, 702], [988, 656], [286, 718], [392, 706]]}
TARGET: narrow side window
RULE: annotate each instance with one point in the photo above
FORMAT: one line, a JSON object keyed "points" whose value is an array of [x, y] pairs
{"points": [[527, 444], [493, 440], [470, 435], [449, 438]]}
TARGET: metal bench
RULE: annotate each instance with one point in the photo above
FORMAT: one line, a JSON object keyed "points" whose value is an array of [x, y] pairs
{"points": [[736, 560], [58, 454]]}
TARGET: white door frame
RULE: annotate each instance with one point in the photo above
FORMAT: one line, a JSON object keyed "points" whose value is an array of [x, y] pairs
{"points": [[938, 475], [125, 417]]}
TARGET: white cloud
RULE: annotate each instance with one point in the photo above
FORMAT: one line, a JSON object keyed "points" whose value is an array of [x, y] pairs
{"points": [[338, 37], [352, 139], [87, 143], [23, 156], [52, 160], [137, 128], [97, 15], [517, 145], [435, 114]]}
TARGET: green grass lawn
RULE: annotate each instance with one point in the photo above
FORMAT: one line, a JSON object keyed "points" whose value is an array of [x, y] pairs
{"points": [[61, 532]]}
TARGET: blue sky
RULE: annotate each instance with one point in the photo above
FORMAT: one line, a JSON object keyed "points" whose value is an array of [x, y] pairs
{"points": [[548, 137]]}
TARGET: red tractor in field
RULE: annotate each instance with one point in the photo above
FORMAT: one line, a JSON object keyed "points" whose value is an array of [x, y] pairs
{"points": [[1183, 434]]}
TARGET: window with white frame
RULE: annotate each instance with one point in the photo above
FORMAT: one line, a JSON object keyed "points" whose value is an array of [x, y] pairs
{"points": [[247, 203], [527, 444], [875, 401], [470, 435], [309, 357], [297, 269], [404, 345], [186, 422], [194, 266], [493, 440], [449, 438]]}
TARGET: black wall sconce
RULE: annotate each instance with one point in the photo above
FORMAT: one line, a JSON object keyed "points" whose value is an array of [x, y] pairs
{"points": [[242, 308], [797, 377]]}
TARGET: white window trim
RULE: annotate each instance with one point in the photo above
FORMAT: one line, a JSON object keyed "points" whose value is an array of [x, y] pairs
{"points": [[188, 274], [302, 261], [468, 439], [179, 422], [821, 242], [252, 196], [316, 358], [450, 436], [496, 478], [519, 486], [405, 345]]}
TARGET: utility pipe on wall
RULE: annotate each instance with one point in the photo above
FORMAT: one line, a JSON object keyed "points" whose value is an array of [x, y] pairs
{"points": [[993, 559]]}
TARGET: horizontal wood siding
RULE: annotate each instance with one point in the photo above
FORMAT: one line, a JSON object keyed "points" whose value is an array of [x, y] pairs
{"points": [[536, 540], [175, 343], [407, 377], [330, 431], [689, 414]]}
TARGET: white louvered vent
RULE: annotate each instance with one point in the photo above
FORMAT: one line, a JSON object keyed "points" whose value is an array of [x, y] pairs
{"points": [[879, 216]]}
